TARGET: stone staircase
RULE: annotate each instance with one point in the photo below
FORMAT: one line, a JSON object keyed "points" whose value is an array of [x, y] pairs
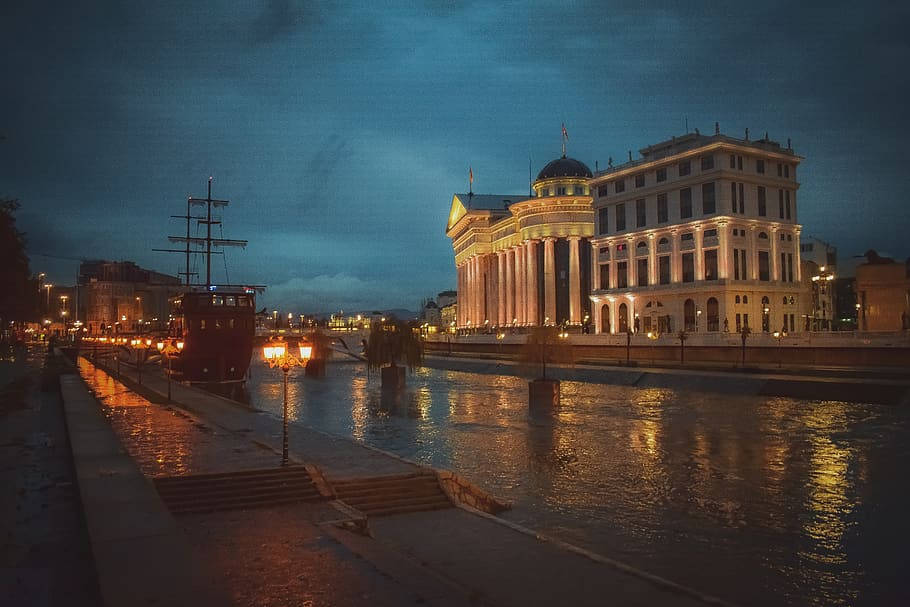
{"points": [[237, 490], [387, 495]]}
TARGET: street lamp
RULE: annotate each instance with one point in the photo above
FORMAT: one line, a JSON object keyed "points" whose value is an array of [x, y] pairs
{"points": [[697, 315], [48, 286], [778, 336], [141, 347], [276, 353], [169, 349]]}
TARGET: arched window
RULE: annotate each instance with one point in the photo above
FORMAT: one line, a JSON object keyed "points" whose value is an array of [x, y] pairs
{"points": [[765, 314], [785, 300], [623, 318], [763, 235], [689, 315], [605, 318], [641, 245], [737, 299], [745, 299], [663, 241], [713, 315]]}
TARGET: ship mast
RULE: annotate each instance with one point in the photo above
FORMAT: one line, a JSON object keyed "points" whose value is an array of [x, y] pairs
{"points": [[208, 241]]}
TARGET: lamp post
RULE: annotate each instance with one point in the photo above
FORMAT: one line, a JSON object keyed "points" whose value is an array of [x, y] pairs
{"points": [[697, 316], [277, 355], [47, 306], [169, 349], [141, 346], [778, 336]]}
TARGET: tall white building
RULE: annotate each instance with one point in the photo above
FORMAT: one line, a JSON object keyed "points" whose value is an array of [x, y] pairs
{"points": [[699, 234]]}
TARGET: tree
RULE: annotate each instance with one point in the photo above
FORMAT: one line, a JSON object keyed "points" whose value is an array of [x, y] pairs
{"points": [[17, 292], [744, 334], [682, 336], [544, 345], [391, 341]]}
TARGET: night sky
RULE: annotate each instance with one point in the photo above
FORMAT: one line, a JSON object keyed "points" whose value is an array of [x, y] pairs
{"points": [[340, 131]]}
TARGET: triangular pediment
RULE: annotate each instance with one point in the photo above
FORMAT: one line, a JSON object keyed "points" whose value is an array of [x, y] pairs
{"points": [[456, 212]]}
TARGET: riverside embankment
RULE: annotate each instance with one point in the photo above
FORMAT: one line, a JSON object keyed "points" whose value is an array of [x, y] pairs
{"points": [[812, 384], [479, 558]]}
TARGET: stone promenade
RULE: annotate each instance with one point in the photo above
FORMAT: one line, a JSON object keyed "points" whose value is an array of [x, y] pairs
{"points": [[452, 556]]}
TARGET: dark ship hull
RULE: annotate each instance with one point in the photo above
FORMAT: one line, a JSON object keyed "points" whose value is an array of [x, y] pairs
{"points": [[217, 326]]}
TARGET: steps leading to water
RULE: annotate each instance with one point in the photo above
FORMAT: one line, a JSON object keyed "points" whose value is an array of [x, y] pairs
{"points": [[236, 490], [397, 494]]}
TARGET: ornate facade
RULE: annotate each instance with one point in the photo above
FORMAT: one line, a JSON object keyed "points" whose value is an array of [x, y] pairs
{"points": [[525, 260], [699, 234]]}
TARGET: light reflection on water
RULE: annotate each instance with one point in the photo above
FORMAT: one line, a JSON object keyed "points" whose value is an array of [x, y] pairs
{"points": [[755, 499]]}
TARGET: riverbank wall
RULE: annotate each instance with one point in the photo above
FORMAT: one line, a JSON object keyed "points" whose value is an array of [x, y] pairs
{"points": [[860, 390]]}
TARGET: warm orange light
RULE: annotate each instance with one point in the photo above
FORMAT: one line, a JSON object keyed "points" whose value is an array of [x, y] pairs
{"points": [[273, 351], [306, 352], [160, 346]]}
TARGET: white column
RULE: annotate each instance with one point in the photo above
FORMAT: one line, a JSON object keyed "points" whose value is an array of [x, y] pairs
{"points": [[613, 270], [596, 306], [522, 284], [475, 290], [549, 278], [723, 254], [531, 270], [510, 285], [469, 291], [699, 254], [614, 317], [753, 254], [462, 296], [633, 263], [775, 252], [796, 256], [501, 288], [574, 281], [675, 259], [652, 259]]}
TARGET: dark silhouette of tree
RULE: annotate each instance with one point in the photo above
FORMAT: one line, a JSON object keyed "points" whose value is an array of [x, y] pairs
{"points": [[744, 334], [682, 336], [17, 290], [544, 345], [391, 341]]}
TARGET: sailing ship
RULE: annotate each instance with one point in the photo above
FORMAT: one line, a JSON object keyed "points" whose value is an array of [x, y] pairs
{"points": [[216, 322]]}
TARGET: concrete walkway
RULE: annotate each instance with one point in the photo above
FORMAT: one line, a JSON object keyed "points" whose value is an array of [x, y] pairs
{"points": [[141, 557], [499, 563]]}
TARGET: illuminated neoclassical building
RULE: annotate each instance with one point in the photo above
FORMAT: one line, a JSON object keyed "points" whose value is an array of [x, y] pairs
{"points": [[698, 234], [525, 260]]}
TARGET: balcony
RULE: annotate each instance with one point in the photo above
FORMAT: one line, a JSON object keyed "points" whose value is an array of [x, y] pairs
{"points": [[624, 254], [710, 241]]}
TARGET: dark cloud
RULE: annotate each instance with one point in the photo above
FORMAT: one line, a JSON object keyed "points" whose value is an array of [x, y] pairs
{"points": [[340, 131]]}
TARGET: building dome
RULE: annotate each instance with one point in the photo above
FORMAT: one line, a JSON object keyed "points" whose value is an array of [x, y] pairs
{"points": [[564, 167]]}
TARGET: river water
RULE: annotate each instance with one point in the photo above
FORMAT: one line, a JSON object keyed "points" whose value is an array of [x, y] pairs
{"points": [[756, 500]]}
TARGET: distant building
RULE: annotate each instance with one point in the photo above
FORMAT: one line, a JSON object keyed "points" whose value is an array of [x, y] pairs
{"points": [[818, 285], [446, 298], [448, 316], [429, 314], [121, 297], [699, 234], [845, 310], [883, 293], [819, 252]]}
